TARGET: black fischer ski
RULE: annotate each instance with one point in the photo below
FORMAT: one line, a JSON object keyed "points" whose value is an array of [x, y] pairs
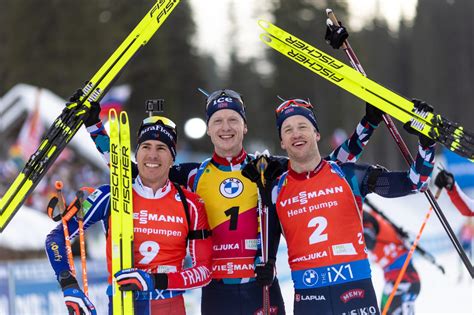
{"points": [[448, 133], [70, 120]]}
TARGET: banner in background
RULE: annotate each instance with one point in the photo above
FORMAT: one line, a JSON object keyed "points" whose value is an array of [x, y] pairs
{"points": [[30, 287], [462, 169]]}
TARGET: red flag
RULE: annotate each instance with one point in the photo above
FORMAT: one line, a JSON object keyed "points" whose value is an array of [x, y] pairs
{"points": [[30, 134]]}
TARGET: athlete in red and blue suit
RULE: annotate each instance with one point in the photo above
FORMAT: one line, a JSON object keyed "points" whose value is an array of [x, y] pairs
{"points": [[390, 252], [231, 203], [167, 221], [317, 207]]}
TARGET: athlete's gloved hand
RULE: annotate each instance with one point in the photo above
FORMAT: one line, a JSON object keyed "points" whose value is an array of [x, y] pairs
{"points": [[77, 302], [265, 273], [93, 117], [373, 114], [444, 179], [425, 141], [134, 279], [75, 96], [336, 35]]}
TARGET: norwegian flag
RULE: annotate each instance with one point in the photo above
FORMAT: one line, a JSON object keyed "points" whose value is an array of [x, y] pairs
{"points": [[115, 98]]}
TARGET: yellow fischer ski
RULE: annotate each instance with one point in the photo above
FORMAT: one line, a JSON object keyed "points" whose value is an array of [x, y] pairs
{"points": [[70, 120], [121, 209], [450, 134]]}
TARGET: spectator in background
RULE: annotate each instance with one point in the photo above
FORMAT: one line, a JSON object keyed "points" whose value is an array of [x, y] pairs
{"points": [[461, 201], [389, 251]]}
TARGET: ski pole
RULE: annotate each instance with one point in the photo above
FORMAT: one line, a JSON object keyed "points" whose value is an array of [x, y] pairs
{"points": [[406, 153], [263, 212], [407, 260], [62, 208], [80, 221]]}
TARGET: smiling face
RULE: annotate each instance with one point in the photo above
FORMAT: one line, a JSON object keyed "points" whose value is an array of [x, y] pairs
{"points": [[300, 139], [227, 129], [154, 160]]}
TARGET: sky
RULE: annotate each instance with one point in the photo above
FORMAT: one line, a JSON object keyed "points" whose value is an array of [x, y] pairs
{"points": [[215, 37]]}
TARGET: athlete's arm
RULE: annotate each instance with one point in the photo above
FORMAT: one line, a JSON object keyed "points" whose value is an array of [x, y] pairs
{"points": [[463, 203], [200, 250], [95, 209], [101, 140], [351, 149], [274, 227], [376, 179], [184, 174]]}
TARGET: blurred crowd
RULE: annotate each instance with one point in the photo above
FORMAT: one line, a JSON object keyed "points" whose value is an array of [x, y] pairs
{"points": [[73, 172]]}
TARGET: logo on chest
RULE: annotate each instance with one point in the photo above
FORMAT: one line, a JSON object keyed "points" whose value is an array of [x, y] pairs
{"points": [[231, 187]]}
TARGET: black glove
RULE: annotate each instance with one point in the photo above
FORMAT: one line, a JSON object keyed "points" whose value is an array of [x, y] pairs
{"points": [[134, 279], [93, 117], [251, 171], [444, 179], [424, 140], [336, 35], [75, 97], [373, 114], [265, 273]]}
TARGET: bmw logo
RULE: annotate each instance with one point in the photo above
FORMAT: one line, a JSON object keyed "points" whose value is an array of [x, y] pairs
{"points": [[231, 187], [310, 277]]}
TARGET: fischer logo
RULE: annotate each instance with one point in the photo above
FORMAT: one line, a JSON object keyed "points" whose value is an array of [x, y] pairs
{"points": [[303, 197], [352, 294], [144, 216]]}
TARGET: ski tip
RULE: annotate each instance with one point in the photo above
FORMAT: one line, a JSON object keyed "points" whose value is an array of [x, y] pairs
{"points": [[112, 114], [266, 38], [123, 117], [263, 24]]}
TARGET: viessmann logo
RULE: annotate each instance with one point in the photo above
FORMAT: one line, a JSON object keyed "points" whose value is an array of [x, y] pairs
{"points": [[144, 217]]}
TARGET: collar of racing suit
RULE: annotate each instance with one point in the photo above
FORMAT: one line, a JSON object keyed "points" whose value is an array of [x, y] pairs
{"points": [[305, 175], [230, 161], [147, 192]]}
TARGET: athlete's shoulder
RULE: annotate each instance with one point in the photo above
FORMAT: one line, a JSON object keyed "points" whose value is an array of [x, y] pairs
{"points": [[191, 196], [99, 193]]}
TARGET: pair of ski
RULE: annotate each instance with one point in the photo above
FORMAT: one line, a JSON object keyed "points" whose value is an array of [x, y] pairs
{"points": [[448, 133], [71, 119], [121, 208]]}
